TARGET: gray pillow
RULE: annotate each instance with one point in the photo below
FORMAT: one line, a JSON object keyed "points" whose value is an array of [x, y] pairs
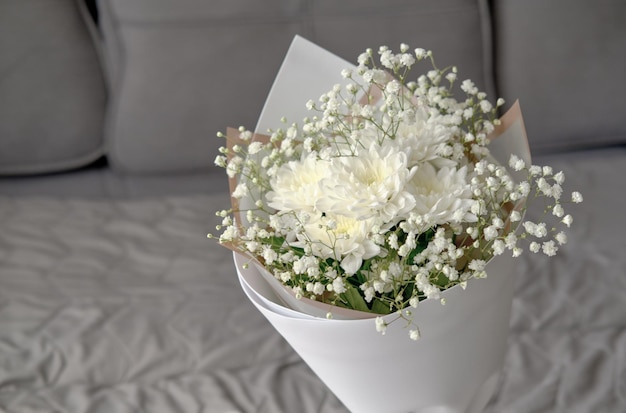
{"points": [[565, 60], [52, 94], [182, 70]]}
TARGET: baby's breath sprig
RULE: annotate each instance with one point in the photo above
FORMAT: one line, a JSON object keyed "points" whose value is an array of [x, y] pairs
{"points": [[387, 194]]}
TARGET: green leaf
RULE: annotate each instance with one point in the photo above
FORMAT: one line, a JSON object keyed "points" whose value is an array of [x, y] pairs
{"points": [[441, 281], [355, 300], [276, 242], [408, 292], [379, 307]]}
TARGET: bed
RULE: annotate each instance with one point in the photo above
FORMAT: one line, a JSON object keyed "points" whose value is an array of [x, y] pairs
{"points": [[121, 304]]}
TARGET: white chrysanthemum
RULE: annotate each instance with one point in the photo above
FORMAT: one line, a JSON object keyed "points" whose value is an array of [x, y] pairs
{"points": [[442, 196], [347, 242], [295, 187], [424, 139], [372, 184]]}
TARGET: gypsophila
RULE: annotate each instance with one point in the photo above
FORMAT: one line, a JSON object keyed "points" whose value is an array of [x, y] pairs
{"points": [[387, 194]]}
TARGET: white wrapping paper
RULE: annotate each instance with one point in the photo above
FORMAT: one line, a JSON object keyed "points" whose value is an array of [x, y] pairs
{"points": [[454, 366]]}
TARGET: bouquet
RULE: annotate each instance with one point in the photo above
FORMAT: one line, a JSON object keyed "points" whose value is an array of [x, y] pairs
{"points": [[355, 217], [387, 193]]}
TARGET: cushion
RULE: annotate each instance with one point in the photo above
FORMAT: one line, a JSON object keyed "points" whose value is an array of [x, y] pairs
{"points": [[181, 71], [564, 60], [457, 31], [52, 94]]}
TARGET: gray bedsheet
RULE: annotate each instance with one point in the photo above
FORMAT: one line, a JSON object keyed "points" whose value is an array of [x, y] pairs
{"points": [[123, 305]]}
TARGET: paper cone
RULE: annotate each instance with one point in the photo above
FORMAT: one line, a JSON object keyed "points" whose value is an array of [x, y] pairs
{"points": [[306, 73], [452, 368]]}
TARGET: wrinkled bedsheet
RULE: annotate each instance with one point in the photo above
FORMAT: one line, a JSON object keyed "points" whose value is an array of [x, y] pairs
{"points": [[124, 305]]}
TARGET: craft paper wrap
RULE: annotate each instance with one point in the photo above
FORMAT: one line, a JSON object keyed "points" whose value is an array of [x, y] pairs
{"points": [[454, 366]]}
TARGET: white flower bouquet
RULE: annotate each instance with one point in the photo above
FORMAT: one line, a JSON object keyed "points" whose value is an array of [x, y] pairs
{"points": [[389, 196]]}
